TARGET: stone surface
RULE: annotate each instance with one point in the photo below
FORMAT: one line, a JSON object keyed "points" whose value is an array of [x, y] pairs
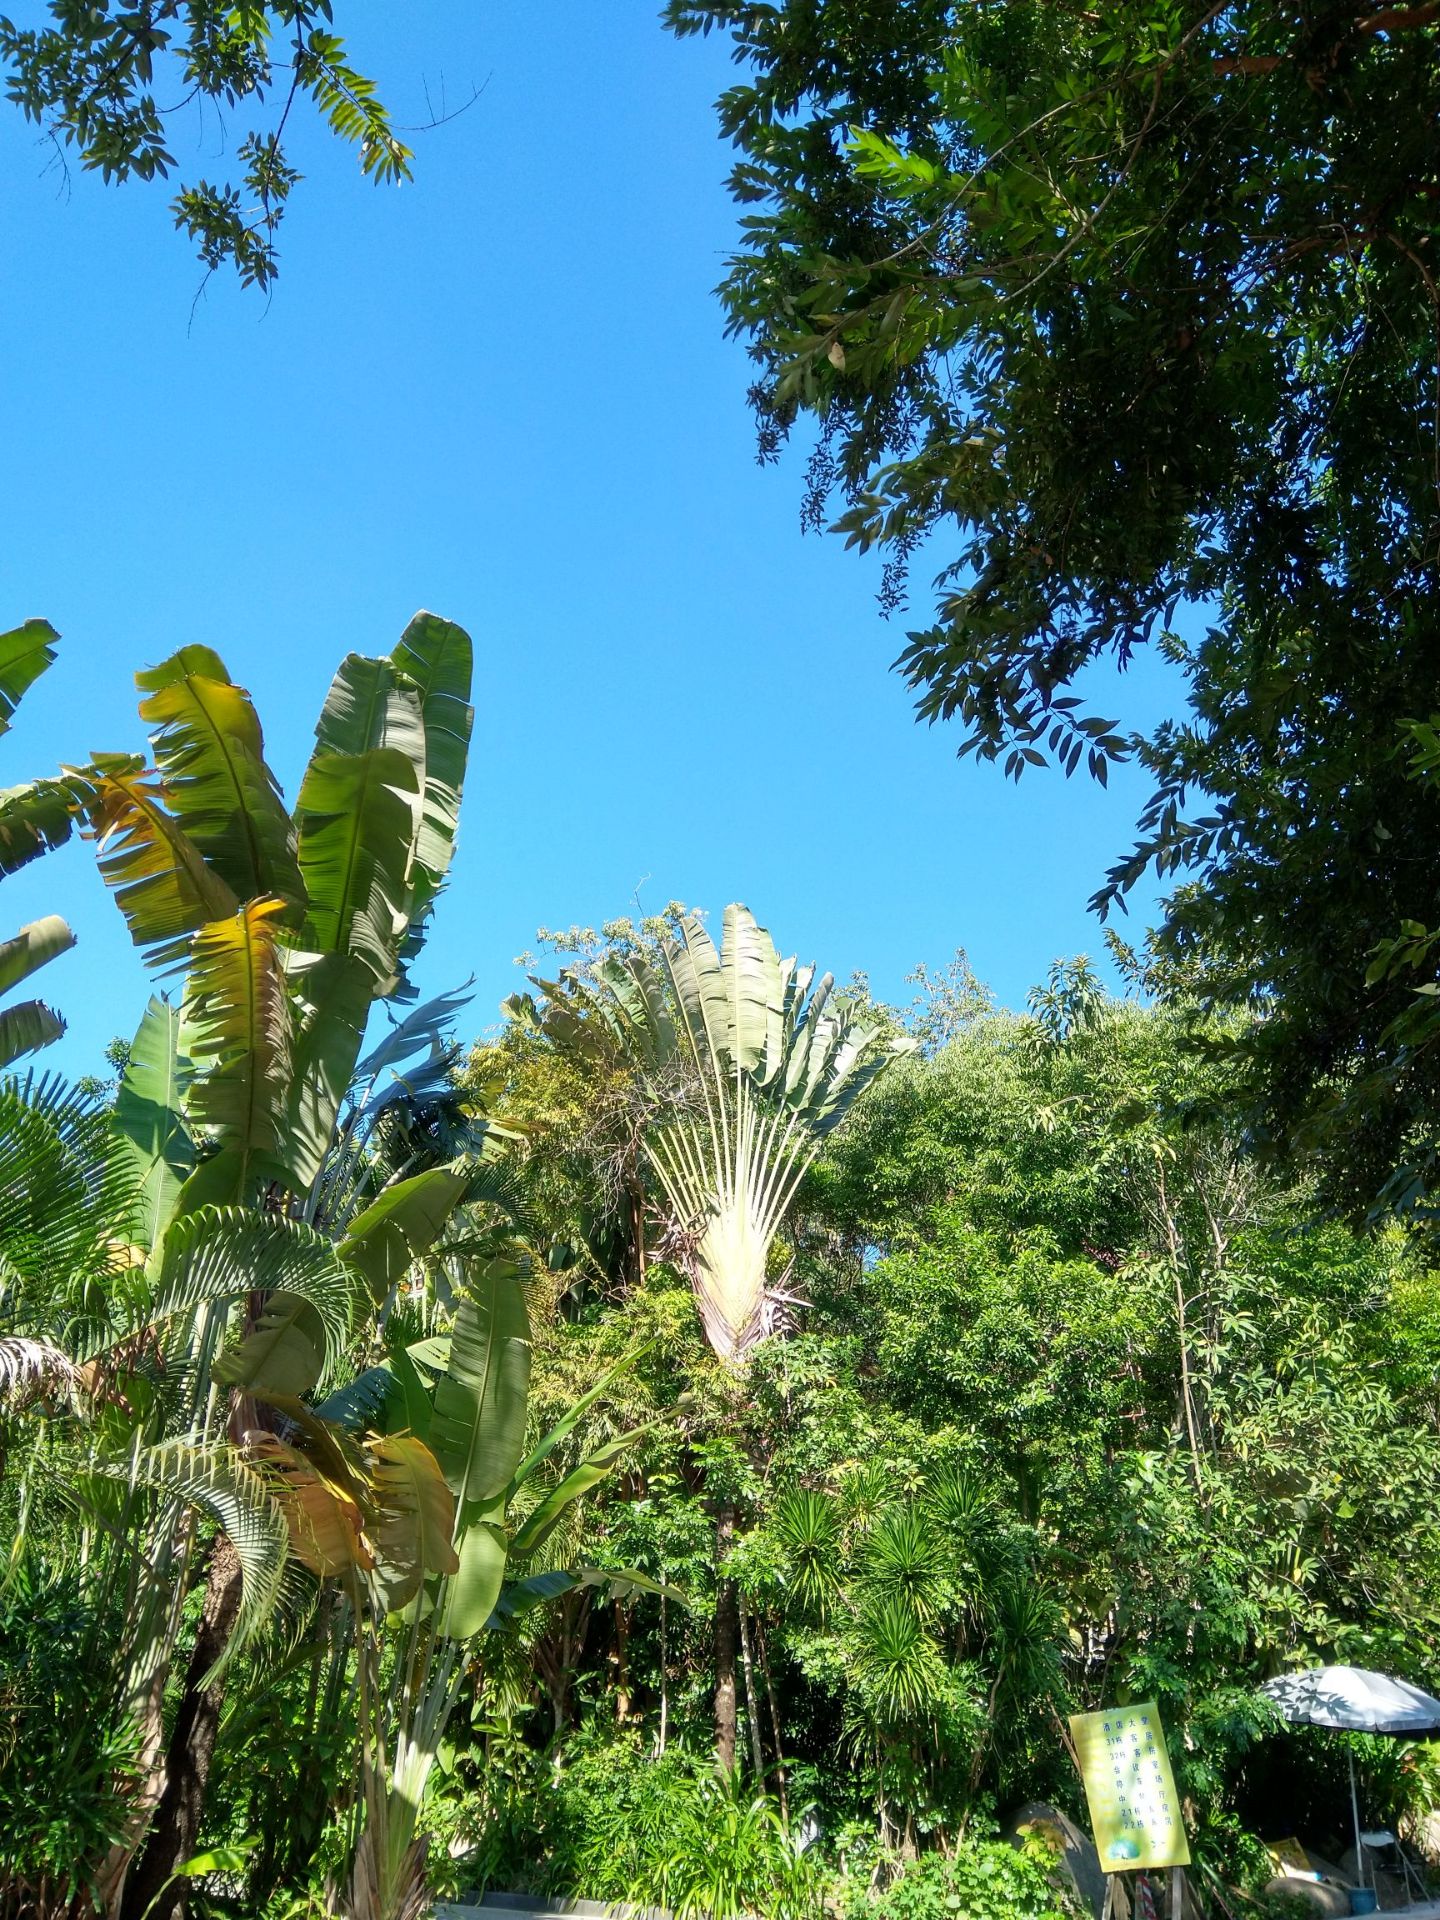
{"points": [[1323, 1895], [1077, 1859]]}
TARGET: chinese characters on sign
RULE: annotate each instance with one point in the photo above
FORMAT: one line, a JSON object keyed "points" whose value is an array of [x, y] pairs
{"points": [[1134, 1809]]}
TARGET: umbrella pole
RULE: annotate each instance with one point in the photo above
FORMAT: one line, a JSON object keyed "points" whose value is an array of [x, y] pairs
{"points": [[1355, 1815]]}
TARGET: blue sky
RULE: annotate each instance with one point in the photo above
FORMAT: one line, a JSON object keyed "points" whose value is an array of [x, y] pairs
{"points": [[503, 393]]}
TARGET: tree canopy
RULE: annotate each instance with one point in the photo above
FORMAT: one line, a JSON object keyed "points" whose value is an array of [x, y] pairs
{"points": [[1120, 312]]}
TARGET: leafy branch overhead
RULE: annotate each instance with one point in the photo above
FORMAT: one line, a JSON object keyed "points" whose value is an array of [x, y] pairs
{"points": [[95, 81], [1122, 321]]}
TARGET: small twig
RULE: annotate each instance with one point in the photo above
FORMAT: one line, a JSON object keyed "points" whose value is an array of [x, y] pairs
{"points": [[443, 119]]}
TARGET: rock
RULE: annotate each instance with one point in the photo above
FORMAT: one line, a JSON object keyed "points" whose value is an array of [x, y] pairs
{"points": [[1323, 1895], [1075, 1857]]}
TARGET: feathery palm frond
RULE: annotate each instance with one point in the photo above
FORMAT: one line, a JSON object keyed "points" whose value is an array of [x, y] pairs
{"points": [[36, 1369]]}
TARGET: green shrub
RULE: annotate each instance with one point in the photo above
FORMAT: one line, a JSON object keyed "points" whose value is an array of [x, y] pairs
{"points": [[981, 1880], [619, 1825], [66, 1777]]}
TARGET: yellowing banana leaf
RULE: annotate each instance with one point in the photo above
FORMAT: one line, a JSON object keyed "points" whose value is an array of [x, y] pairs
{"points": [[239, 1023], [159, 877], [415, 1517], [210, 753], [325, 1521]]}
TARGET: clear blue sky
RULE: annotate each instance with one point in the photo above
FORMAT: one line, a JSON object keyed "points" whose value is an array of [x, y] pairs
{"points": [[502, 393]]}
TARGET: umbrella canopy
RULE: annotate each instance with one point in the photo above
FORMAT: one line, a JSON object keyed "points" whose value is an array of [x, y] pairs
{"points": [[1355, 1699]]}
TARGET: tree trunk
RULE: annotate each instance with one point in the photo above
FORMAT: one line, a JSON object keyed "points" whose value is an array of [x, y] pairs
{"points": [[727, 1636], [780, 1777], [175, 1831], [664, 1680], [752, 1716], [622, 1668]]}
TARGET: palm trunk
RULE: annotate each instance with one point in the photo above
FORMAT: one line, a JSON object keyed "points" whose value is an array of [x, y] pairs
{"points": [[175, 1831], [727, 1635]]}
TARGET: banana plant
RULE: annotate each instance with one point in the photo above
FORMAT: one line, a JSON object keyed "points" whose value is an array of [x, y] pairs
{"points": [[751, 1063], [289, 925], [415, 1493], [33, 819]]}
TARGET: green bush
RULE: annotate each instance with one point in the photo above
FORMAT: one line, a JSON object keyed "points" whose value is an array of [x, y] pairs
{"points": [[981, 1880], [66, 1777], [619, 1825]]}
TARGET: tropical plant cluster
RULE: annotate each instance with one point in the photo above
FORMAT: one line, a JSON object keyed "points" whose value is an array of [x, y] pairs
{"points": [[696, 1446]]}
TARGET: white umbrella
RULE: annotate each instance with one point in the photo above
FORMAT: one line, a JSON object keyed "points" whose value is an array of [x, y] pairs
{"points": [[1359, 1701]]}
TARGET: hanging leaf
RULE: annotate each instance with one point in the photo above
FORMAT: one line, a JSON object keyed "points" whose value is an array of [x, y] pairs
{"points": [[26, 1029], [25, 653], [150, 1131], [478, 1427], [324, 1520], [416, 1517], [33, 819]]}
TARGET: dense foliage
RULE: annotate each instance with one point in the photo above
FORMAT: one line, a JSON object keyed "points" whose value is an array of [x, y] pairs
{"points": [[376, 1487], [1115, 311], [1079, 1405]]}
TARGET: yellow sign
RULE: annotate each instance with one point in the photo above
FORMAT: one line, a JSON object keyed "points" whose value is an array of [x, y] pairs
{"points": [[1134, 1808]]}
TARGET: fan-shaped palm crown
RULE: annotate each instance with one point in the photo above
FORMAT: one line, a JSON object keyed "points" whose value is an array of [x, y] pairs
{"points": [[753, 1062]]}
